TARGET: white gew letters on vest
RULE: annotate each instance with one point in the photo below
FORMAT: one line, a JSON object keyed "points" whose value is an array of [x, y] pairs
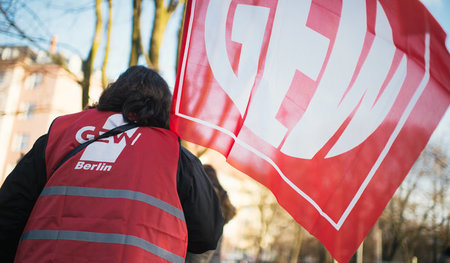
{"points": [[293, 46], [101, 151]]}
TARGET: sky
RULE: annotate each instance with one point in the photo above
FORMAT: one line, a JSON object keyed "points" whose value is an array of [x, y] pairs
{"points": [[440, 9], [74, 29]]}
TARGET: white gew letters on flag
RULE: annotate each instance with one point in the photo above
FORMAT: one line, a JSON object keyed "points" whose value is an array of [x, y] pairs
{"points": [[298, 47], [246, 19], [331, 106]]}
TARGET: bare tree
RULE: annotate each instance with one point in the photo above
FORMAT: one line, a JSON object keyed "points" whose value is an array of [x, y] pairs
{"points": [[267, 210], [273, 235], [136, 39], [180, 37], [438, 195], [415, 222], [9, 8], [88, 63], [162, 14], [108, 43]]}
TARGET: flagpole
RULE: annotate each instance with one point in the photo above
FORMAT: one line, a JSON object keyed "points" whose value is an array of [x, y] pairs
{"points": [[359, 253], [378, 243]]}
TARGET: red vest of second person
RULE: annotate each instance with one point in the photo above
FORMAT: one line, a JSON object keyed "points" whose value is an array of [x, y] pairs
{"points": [[114, 201]]}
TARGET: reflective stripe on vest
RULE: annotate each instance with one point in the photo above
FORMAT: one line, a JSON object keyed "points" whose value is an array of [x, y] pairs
{"points": [[107, 237], [113, 193], [103, 238]]}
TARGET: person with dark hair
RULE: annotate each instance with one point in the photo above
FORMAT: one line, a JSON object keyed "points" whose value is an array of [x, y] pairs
{"points": [[141, 95], [110, 184], [228, 210]]}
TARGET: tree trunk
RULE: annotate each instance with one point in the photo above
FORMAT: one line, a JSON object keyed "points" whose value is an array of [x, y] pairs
{"points": [[378, 243], [180, 38], [160, 21], [88, 63], [297, 245], [108, 44], [136, 33]]}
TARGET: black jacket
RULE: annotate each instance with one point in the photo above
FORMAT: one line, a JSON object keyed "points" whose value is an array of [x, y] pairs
{"points": [[24, 184]]}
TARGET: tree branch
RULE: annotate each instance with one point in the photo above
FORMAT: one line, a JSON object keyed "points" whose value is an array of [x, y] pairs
{"points": [[18, 29]]}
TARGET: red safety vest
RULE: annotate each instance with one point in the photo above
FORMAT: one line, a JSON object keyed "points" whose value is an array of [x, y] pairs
{"points": [[115, 201]]}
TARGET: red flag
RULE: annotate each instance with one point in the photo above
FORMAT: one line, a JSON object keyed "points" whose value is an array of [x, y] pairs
{"points": [[326, 103]]}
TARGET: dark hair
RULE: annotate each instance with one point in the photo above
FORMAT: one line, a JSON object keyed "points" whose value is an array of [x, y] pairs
{"points": [[228, 209], [212, 175], [142, 96]]}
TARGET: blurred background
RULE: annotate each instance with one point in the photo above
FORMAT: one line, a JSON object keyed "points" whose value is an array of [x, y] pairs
{"points": [[56, 57]]}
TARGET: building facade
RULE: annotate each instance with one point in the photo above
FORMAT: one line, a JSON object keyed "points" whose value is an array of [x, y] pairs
{"points": [[33, 92]]}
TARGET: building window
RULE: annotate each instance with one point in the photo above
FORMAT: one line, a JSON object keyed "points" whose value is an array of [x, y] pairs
{"points": [[30, 110], [34, 81], [20, 142], [6, 53], [15, 53], [27, 111]]}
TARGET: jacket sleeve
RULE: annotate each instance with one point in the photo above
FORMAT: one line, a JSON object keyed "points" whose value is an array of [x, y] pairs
{"points": [[18, 194], [200, 204]]}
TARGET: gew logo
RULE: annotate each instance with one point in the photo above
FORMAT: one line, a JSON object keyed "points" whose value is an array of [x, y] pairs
{"points": [[107, 149], [352, 87]]}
